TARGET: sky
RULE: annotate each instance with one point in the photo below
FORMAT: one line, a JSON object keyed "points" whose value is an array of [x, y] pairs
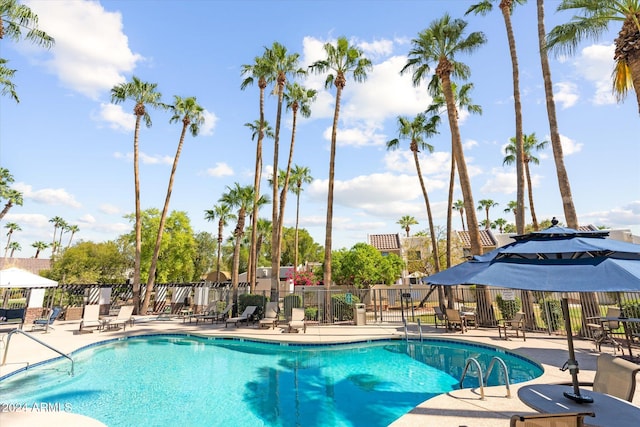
{"points": [[70, 149]]}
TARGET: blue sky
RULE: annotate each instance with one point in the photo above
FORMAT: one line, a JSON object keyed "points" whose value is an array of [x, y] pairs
{"points": [[70, 150]]}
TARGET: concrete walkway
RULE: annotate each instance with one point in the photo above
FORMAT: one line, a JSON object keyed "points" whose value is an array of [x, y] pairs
{"points": [[455, 409]]}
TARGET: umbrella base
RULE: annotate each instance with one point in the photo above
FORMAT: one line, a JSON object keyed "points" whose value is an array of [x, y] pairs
{"points": [[578, 398]]}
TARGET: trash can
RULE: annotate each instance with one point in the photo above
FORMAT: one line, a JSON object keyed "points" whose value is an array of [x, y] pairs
{"points": [[360, 314]]}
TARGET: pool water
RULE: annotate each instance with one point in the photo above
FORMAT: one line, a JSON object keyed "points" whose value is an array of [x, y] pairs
{"points": [[178, 380]]}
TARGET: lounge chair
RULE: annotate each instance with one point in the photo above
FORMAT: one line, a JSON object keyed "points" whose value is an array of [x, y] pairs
{"points": [[439, 317], [91, 317], [513, 325], [470, 315], [566, 419], [455, 319], [297, 321], [270, 316], [45, 323], [246, 315], [602, 330], [216, 316], [123, 317], [210, 309]]}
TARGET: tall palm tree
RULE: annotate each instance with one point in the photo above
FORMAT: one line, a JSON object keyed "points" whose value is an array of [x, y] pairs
{"points": [[417, 131], [531, 143], [591, 19], [500, 223], [242, 199], [14, 246], [341, 60], [223, 213], [143, 94], [57, 222], [282, 65], [512, 206], [13, 197], [64, 227], [299, 175], [188, 112], [406, 222], [40, 246], [73, 229], [261, 72], [506, 7], [439, 45], [486, 204], [459, 206], [11, 227]]}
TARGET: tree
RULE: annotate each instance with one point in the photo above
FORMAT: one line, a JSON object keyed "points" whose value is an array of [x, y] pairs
{"points": [[416, 131], [299, 175], [73, 229], [500, 223], [223, 213], [64, 227], [486, 204], [459, 206], [89, 262], [363, 266], [11, 227], [142, 94], [14, 246], [205, 250], [591, 19], [530, 143], [14, 19], [304, 247], [40, 246], [406, 222], [188, 112], [439, 45], [341, 60], [57, 222], [506, 7], [13, 197], [556, 145]]}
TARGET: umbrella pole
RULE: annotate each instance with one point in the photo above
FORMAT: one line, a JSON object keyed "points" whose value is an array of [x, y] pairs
{"points": [[572, 363]]}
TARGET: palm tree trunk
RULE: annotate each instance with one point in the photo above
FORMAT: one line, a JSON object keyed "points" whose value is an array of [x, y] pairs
{"points": [[6, 209], [432, 231], [253, 253], [275, 229], [563, 179], [138, 220], [236, 260], [295, 239], [534, 218], [163, 219], [220, 231]]}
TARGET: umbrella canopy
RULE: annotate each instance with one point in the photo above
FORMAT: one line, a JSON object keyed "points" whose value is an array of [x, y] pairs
{"points": [[17, 278], [557, 259]]}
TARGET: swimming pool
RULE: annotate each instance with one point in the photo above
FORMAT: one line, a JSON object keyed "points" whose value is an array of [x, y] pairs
{"points": [[162, 380]]}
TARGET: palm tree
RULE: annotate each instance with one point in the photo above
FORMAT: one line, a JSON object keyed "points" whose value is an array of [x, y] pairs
{"points": [[406, 222], [459, 206], [188, 112], [416, 131], [438, 45], [282, 64], [142, 94], [73, 229], [58, 222], [242, 199], [11, 226], [299, 175], [14, 246], [40, 246], [64, 227], [13, 197], [223, 213], [591, 19], [506, 7], [530, 144], [512, 206], [14, 19], [486, 204], [500, 223], [342, 59]]}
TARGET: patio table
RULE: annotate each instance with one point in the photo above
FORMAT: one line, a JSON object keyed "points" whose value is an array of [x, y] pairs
{"points": [[610, 411], [625, 325]]}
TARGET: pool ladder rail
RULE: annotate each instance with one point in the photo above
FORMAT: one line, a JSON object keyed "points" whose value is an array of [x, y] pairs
{"points": [[472, 361], [10, 334]]}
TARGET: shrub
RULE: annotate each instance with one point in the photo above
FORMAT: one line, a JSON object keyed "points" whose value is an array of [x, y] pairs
{"points": [[632, 309], [311, 313], [342, 310], [508, 308], [551, 313], [246, 300]]}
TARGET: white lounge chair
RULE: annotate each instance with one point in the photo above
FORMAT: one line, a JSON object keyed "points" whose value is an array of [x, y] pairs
{"points": [[297, 321], [216, 316], [123, 317], [270, 316], [244, 317], [90, 317]]}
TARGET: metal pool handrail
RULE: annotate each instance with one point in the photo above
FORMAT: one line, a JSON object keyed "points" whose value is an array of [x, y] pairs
{"points": [[474, 361], [495, 359], [10, 334]]}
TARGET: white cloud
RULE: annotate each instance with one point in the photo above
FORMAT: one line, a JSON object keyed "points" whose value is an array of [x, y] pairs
{"points": [[109, 209], [155, 159], [569, 146], [29, 221], [47, 196], [617, 217], [116, 117], [566, 94], [220, 169], [210, 120], [87, 219], [595, 64], [91, 53]]}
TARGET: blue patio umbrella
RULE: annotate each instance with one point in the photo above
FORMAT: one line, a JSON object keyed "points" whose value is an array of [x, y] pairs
{"points": [[557, 259]]}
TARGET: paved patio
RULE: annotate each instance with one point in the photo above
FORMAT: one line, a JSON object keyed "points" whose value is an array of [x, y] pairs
{"points": [[457, 408]]}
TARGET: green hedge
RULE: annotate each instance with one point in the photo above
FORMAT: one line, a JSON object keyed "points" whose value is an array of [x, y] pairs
{"points": [[551, 313], [246, 300], [508, 308], [342, 310]]}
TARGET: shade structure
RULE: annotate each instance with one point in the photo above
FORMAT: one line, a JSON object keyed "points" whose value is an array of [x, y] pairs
{"points": [[18, 278], [557, 259]]}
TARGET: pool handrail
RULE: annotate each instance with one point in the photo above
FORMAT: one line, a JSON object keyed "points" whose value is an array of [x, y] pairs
{"points": [[495, 359], [10, 334], [474, 361]]}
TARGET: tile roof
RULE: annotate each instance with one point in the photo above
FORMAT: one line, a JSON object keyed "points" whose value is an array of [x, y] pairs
{"points": [[486, 239], [384, 242], [33, 265]]}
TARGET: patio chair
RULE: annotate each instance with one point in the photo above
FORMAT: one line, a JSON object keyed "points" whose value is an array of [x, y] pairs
{"points": [[246, 315], [218, 317], [123, 317], [615, 376], [90, 318], [602, 329], [211, 308], [270, 316], [44, 323], [565, 419], [297, 321], [454, 318], [512, 325], [440, 317], [469, 314]]}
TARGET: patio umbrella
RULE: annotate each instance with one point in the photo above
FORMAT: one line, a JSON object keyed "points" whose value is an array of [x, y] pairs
{"points": [[556, 259], [18, 278]]}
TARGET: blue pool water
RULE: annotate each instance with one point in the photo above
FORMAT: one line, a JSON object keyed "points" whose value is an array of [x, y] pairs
{"points": [[178, 380]]}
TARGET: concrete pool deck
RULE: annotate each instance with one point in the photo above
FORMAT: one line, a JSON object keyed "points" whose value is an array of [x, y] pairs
{"points": [[457, 408]]}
